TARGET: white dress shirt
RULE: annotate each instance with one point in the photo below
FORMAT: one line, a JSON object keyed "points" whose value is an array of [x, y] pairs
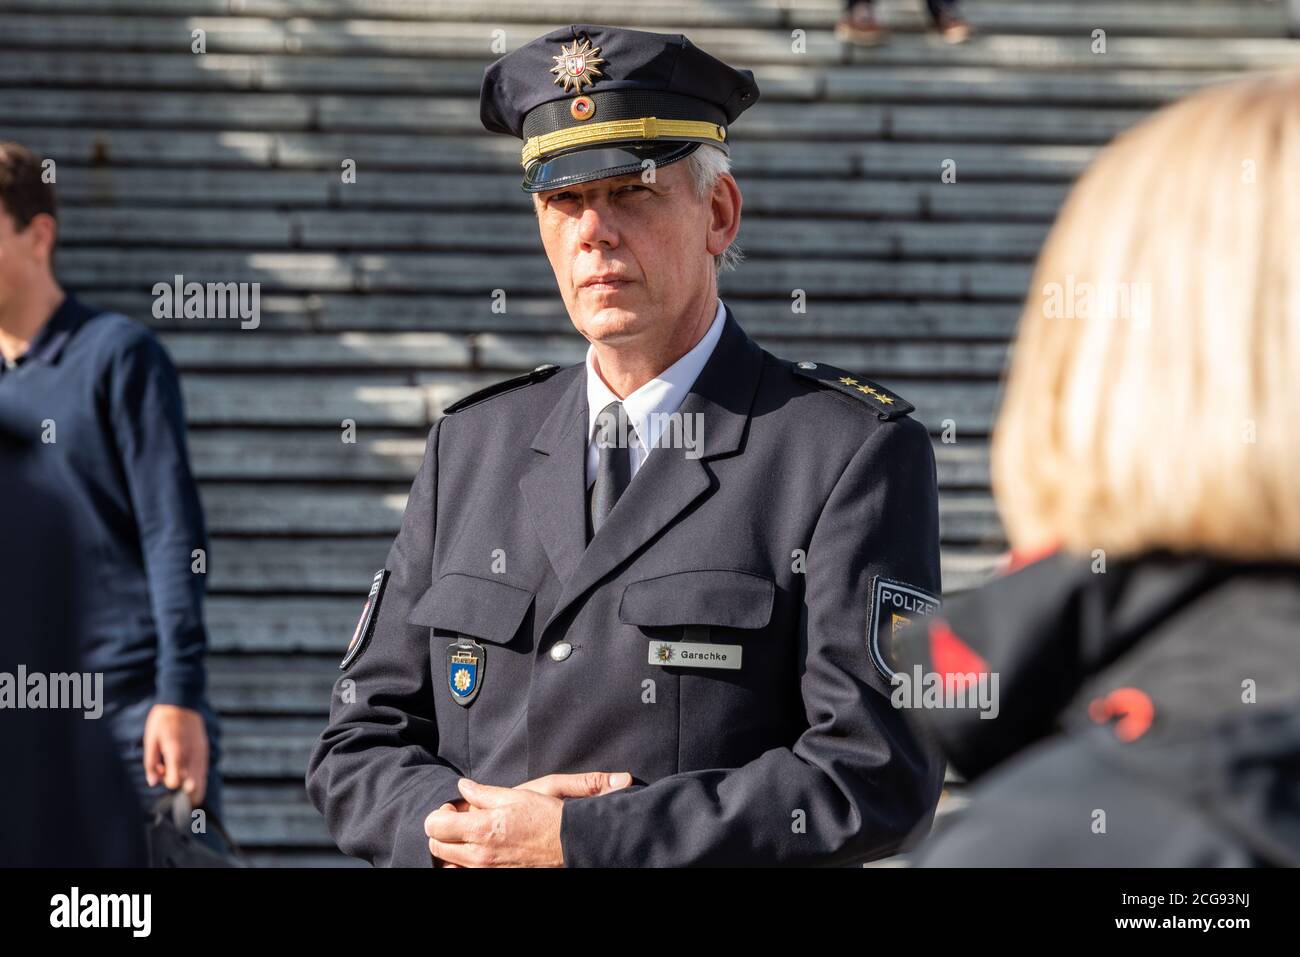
{"points": [[663, 394]]}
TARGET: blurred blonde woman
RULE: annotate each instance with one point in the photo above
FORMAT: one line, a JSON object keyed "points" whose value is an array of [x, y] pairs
{"points": [[1143, 659]]}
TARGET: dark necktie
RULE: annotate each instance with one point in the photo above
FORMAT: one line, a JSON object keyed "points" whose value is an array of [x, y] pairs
{"points": [[613, 463]]}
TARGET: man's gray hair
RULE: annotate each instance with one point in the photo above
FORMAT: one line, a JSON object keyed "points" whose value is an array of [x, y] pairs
{"points": [[705, 165]]}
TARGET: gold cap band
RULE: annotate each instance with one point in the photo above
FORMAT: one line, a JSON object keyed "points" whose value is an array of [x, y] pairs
{"points": [[612, 131]]}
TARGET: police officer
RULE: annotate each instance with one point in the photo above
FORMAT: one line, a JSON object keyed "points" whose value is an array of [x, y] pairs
{"points": [[633, 613]]}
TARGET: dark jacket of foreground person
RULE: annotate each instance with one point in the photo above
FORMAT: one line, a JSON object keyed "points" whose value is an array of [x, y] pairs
{"points": [[1148, 715]]}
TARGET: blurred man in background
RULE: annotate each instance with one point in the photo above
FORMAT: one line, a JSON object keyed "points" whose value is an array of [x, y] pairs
{"points": [[96, 400], [67, 800]]}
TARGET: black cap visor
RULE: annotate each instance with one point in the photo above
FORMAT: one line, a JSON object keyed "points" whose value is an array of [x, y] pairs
{"points": [[584, 165]]}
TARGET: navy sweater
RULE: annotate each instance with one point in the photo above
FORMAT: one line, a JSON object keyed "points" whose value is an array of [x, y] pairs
{"points": [[97, 400]]}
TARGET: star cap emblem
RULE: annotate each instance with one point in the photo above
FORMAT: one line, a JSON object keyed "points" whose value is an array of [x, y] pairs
{"points": [[577, 64]]}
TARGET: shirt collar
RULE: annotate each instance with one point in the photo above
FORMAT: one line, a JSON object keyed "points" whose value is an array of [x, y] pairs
{"points": [[662, 394], [54, 335]]}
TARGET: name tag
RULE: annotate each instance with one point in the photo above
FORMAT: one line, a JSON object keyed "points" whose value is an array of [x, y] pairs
{"points": [[695, 654]]}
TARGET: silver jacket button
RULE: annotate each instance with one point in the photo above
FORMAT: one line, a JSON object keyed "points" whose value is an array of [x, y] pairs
{"points": [[561, 650], [807, 365]]}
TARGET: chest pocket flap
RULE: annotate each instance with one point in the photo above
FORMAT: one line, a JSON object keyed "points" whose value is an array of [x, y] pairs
{"points": [[708, 596], [480, 607]]}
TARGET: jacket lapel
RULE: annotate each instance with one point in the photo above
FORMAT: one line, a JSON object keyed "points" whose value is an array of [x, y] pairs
{"points": [[554, 489], [665, 486]]}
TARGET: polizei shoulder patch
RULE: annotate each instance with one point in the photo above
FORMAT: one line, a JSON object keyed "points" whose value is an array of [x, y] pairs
{"points": [[894, 605], [886, 404], [540, 374], [366, 624]]}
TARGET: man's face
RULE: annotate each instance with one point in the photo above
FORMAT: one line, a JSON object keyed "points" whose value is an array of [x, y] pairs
{"points": [[630, 256]]}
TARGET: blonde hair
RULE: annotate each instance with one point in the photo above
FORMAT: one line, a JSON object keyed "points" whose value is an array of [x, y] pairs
{"points": [[1153, 398]]}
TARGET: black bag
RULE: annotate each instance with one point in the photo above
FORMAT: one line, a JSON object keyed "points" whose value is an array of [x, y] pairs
{"points": [[173, 844]]}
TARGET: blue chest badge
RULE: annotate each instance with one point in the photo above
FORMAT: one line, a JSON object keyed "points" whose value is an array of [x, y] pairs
{"points": [[466, 659]]}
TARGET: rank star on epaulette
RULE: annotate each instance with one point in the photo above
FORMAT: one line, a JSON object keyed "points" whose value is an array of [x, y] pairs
{"points": [[867, 390], [888, 405], [576, 65]]}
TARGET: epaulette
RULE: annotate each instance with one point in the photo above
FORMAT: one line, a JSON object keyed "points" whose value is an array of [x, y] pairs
{"points": [[540, 374], [886, 404]]}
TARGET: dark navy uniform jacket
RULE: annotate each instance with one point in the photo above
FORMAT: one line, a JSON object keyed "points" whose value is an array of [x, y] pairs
{"points": [[774, 539], [104, 390]]}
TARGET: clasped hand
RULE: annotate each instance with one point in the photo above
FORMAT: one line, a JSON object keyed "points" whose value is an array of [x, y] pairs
{"points": [[511, 827]]}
